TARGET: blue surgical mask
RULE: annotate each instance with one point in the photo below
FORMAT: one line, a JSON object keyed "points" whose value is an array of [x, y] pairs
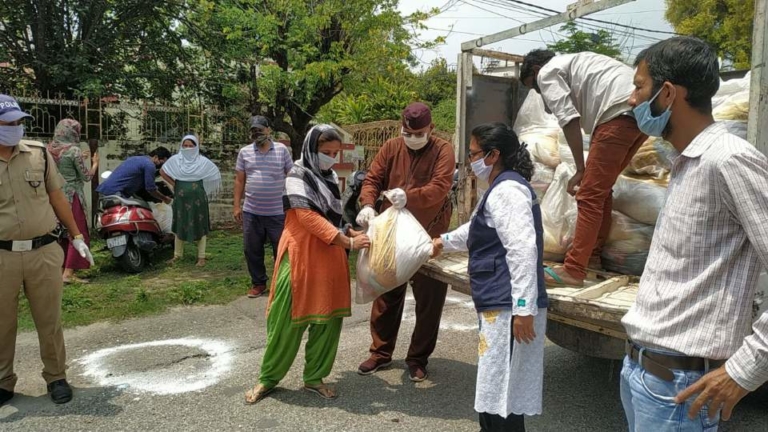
{"points": [[646, 122], [326, 162], [481, 170], [11, 135]]}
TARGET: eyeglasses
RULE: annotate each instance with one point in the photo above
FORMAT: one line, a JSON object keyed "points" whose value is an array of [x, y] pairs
{"points": [[471, 155], [412, 135]]}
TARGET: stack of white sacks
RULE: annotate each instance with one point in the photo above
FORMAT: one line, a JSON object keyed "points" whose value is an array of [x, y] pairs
{"points": [[639, 193]]}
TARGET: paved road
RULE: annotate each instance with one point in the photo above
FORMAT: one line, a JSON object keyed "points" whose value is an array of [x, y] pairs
{"points": [[199, 386]]}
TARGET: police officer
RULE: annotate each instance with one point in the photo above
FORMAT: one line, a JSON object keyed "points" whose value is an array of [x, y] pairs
{"points": [[30, 201]]}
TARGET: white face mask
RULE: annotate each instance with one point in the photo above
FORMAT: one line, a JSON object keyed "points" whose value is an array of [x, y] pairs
{"points": [[415, 143], [481, 170], [326, 162], [11, 135], [189, 154]]}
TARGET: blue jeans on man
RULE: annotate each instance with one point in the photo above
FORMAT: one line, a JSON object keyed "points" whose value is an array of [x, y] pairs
{"points": [[649, 401], [256, 231]]}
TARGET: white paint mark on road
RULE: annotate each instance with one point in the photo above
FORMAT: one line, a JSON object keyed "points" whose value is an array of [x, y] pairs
{"points": [[162, 382], [445, 324]]}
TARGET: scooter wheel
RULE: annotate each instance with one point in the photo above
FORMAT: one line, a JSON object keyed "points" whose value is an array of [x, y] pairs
{"points": [[133, 260]]}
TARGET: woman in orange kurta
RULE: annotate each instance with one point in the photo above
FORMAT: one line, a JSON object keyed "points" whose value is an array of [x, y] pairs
{"points": [[311, 283]]}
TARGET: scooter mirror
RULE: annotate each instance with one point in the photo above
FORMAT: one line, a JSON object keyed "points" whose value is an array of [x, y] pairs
{"points": [[105, 174]]}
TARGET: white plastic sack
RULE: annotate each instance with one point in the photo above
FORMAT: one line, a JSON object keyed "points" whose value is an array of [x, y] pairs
{"points": [[737, 127], [533, 118], [399, 247], [626, 249], [730, 88], [558, 214], [735, 107], [640, 200], [163, 214], [566, 156], [654, 158], [543, 148], [760, 305], [542, 178]]}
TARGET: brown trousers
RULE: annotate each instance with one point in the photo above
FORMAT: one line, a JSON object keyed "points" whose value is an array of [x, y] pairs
{"points": [[387, 313], [39, 271], [613, 145]]}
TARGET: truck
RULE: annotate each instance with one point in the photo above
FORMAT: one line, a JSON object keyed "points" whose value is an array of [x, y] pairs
{"points": [[586, 319]]}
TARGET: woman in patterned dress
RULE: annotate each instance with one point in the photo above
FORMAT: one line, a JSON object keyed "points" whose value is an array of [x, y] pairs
{"points": [[72, 165]]}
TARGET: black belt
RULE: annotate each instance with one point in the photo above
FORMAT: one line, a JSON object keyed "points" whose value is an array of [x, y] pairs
{"points": [[661, 365], [37, 242]]}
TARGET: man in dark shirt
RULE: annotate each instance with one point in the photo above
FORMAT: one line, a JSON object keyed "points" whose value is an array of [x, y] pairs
{"points": [[136, 175]]}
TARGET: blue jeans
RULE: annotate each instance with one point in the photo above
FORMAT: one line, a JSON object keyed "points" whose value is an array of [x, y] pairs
{"points": [[649, 401], [256, 231]]}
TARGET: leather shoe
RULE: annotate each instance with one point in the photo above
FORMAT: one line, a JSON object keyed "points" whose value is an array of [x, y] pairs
{"points": [[5, 396], [60, 391]]}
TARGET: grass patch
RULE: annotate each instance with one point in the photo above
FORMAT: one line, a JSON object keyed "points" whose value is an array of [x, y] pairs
{"points": [[115, 295]]}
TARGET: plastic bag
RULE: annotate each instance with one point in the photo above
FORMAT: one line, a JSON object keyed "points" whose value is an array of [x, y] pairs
{"points": [[399, 247], [163, 214], [654, 158], [538, 129], [638, 199], [533, 118], [543, 148], [558, 214], [566, 156], [735, 107], [760, 304], [542, 178], [626, 249]]}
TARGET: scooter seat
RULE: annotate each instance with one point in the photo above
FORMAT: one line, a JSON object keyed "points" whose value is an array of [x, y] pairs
{"points": [[116, 200]]}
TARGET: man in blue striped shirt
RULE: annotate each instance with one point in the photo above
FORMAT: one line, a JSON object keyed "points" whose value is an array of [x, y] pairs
{"points": [[260, 176]]}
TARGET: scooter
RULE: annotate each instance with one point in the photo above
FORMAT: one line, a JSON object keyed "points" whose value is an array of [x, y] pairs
{"points": [[130, 229]]}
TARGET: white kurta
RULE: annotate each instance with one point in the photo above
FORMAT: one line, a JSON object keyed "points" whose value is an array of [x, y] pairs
{"points": [[509, 375]]}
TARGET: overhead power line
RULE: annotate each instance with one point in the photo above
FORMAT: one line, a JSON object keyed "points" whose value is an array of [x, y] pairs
{"points": [[520, 2]]}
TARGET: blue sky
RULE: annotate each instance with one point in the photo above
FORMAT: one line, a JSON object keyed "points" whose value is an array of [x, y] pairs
{"points": [[463, 20]]}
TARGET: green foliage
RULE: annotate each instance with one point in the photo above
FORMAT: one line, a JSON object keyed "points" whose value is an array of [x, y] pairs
{"points": [[444, 115], [725, 24], [601, 42], [292, 57], [93, 47], [383, 98]]}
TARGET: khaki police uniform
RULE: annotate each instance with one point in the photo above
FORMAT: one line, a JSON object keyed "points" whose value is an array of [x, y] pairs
{"points": [[26, 214]]}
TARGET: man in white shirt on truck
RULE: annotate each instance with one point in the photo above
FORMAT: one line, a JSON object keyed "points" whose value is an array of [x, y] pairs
{"points": [[591, 92]]}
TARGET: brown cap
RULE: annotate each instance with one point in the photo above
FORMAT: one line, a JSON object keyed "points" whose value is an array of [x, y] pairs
{"points": [[417, 116]]}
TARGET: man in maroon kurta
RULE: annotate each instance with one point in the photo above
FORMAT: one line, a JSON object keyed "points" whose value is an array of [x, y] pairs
{"points": [[421, 166]]}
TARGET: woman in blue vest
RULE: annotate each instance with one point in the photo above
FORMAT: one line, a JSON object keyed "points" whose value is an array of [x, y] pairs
{"points": [[505, 243]]}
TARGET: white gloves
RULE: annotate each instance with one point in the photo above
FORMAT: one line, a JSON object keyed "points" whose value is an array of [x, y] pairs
{"points": [[83, 250], [365, 216], [397, 197]]}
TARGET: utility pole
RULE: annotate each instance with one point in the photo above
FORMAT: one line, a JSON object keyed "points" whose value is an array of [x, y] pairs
{"points": [[758, 97]]}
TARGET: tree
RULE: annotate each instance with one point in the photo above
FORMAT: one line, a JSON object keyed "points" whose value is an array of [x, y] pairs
{"points": [[292, 57], [725, 24], [92, 47], [601, 42]]}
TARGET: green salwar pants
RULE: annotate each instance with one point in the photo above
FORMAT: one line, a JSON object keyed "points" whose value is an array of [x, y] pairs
{"points": [[284, 338]]}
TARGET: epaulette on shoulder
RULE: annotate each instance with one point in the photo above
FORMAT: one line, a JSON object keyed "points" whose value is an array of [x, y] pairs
{"points": [[32, 143]]}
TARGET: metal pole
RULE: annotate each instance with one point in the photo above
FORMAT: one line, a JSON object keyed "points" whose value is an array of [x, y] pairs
{"points": [[758, 97], [573, 12]]}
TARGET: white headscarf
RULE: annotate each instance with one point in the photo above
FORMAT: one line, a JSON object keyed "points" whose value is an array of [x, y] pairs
{"points": [[190, 166]]}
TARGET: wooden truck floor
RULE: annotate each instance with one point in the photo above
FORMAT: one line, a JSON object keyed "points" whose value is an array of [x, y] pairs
{"points": [[586, 320]]}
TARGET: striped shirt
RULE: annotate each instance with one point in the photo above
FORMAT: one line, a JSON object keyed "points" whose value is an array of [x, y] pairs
{"points": [[696, 294], [264, 178]]}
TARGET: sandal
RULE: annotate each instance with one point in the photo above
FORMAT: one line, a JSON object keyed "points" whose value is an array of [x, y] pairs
{"points": [[322, 390], [76, 280], [556, 280], [200, 262], [254, 396]]}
